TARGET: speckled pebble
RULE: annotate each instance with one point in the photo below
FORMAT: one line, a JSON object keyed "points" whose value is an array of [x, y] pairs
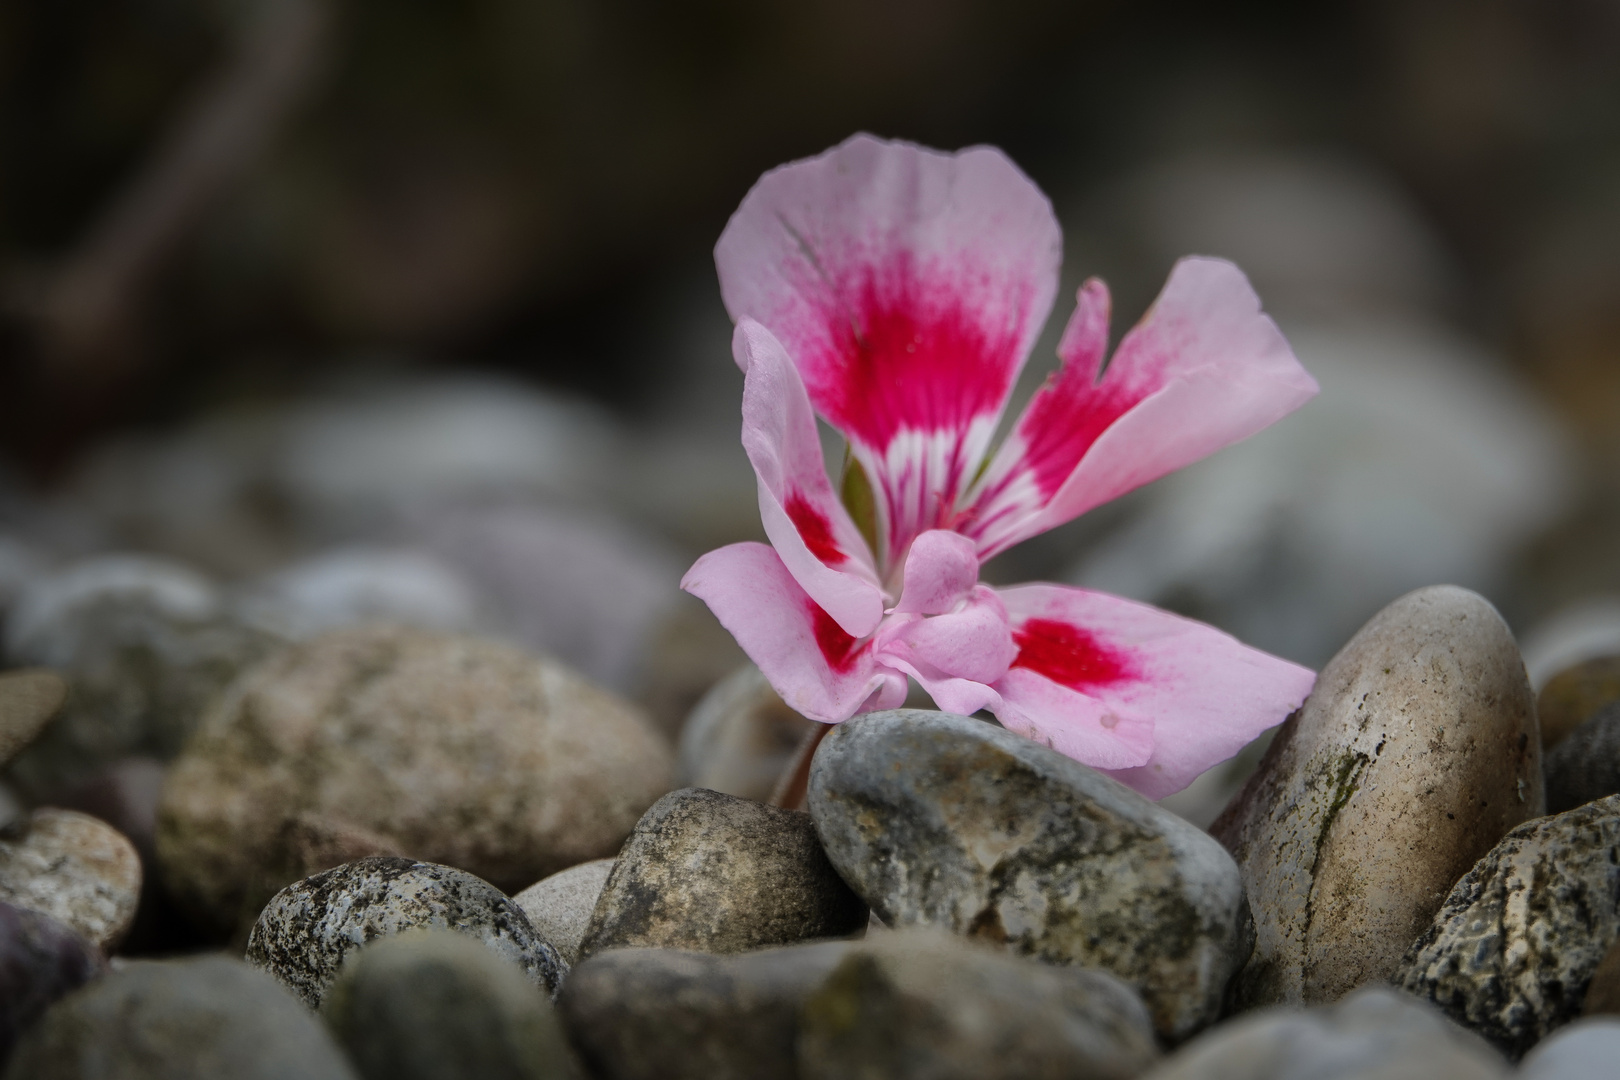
{"points": [[307, 929], [1512, 952], [74, 868]]}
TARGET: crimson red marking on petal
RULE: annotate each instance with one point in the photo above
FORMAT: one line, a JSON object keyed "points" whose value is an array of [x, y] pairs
{"points": [[1064, 420], [912, 352], [1068, 655], [837, 646], [814, 529]]}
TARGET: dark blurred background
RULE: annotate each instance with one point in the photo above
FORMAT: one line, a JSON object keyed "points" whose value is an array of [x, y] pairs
{"points": [[294, 280]]}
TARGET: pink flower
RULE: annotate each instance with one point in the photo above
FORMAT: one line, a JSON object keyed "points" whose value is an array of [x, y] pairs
{"points": [[897, 291]]}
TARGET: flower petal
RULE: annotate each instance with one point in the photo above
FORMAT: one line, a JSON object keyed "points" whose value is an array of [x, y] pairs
{"points": [[817, 668], [908, 286], [807, 524], [1205, 368], [1151, 697], [941, 568]]}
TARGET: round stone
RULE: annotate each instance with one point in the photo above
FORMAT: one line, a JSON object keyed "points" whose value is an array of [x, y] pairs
{"points": [[80, 871], [40, 960], [559, 907], [387, 740], [307, 930]]}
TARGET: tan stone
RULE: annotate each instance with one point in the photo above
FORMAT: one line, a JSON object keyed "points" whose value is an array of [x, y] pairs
{"points": [[29, 699], [81, 872], [386, 740], [1574, 696], [1415, 753]]}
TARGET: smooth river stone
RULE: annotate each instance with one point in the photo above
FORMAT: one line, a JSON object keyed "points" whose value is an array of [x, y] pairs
{"points": [[1515, 949], [1585, 765], [1574, 696], [719, 874], [942, 820], [82, 872], [1415, 753], [28, 701]]}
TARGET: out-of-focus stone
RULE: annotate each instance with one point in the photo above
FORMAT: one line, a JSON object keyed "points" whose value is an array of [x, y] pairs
{"points": [[350, 586], [144, 644], [1374, 1034], [942, 820], [197, 1019], [80, 871], [740, 737], [28, 701], [720, 874], [581, 587], [436, 1005], [1585, 765], [388, 740], [309, 928], [1575, 695], [40, 961], [1586, 1050], [1603, 992], [1513, 951], [1415, 753], [688, 654], [559, 907], [920, 1005], [667, 1014]]}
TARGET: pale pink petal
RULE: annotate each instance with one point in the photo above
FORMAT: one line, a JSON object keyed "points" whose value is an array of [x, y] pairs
{"points": [[908, 286], [941, 568], [807, 524], [817, 668], [1205, 368], [1151, 697]]}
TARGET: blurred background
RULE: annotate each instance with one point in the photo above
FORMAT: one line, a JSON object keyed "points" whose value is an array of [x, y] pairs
{"points": [[317, 310]]}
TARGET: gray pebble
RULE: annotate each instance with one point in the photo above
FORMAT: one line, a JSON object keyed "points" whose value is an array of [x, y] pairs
{"points": [[922, 1005], [1586, 1050], [198, 1019], [1586, 764], [307, 930], [1512, 951], [668, 1014], [74, 868], [720, 874], [1374, 1034], [437, 1005], [559, 907], [947, 821]]}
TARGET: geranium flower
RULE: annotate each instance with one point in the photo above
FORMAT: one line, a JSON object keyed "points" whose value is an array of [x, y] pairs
{"points": [[897, 291]]}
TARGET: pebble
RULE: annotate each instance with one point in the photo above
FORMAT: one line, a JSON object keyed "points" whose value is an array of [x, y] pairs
{"points": [[1514, 948], [947, 821], [40, 961], [28, 701], [436, 1005], [1574, 695], [307, 930], [1585, 765], [669, 1014], [920, 1005], [1586, 1050], [1603, 992], [740, 737], [716, 873], [559, 907], [390, 740], [353, 585], [1373, 1034], [1415, 753], [194, 1019], [79, 871], [143, 642]]}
